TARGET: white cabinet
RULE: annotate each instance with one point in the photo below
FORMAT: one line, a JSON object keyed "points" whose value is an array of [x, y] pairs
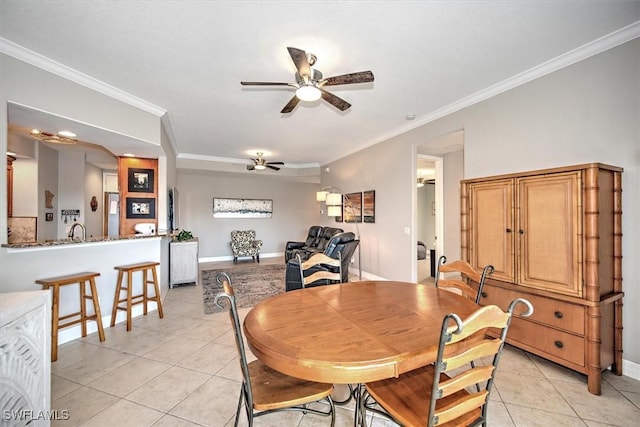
{"points": [[25, 358], [183, 266]]}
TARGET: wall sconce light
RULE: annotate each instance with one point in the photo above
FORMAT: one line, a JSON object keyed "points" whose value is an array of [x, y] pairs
{"points": [[93, 203]]}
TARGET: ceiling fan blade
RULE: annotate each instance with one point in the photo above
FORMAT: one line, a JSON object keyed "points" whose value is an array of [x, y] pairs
{"points": [[351, 78], [272, 167], [299, 58], [275, 163], [290, 105], [337, 102], [251, 167], [266, 84]]}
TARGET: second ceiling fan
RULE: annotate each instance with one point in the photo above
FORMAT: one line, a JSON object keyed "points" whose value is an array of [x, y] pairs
{"points": [[310, 83], [261, 164]]}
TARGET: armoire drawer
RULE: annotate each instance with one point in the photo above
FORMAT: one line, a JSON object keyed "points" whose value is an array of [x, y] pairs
{"points": [[552, 341], [559, 314]]}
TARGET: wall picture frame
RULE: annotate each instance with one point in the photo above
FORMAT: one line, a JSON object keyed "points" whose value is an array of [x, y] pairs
{"points": [[140, 180], [369, 206], [352, 207], [141, 208], [48, 216], [242, 208]]}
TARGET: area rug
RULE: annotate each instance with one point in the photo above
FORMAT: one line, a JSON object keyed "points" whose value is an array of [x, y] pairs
{"points": [[251, 284]]}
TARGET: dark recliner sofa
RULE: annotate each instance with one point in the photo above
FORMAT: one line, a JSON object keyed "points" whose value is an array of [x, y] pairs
{"points": [[345, 243], [317, 240]]}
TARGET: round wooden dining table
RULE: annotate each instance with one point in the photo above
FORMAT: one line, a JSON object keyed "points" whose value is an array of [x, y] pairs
{"points": [[351, 333]]}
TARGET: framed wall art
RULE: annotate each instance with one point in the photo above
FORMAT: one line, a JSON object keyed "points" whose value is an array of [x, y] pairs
{"points": [[140, 180], [141, 208], [369, 206], [242, 208], [48, 216], [352, 207]]}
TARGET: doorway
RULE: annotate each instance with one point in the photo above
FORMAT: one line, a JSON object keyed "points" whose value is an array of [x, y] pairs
{"points": [[441, 214], [426, 217]]}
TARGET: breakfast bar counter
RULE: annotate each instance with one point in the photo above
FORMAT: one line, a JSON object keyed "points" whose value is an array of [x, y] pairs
{"points": [[24, 263]]}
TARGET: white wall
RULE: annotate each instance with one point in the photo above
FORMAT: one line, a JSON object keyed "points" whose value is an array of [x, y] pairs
{"points": [[93, 187], [71, 178], [47, 179], [587, 112], [294, 210]]}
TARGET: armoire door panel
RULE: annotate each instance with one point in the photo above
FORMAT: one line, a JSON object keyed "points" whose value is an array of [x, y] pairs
{"points": [[549, 233], [492, 222]]}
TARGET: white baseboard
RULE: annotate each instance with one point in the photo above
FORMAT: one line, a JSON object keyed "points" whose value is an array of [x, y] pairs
{"points": [[230, 257], [631, 369]]}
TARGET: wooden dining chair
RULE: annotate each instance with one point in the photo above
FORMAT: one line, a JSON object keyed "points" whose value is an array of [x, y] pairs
{"points": [[320, 267], [466, 271], [264, 390], [430, 396]]}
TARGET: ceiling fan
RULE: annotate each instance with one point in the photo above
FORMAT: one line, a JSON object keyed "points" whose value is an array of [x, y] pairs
{"points": [[310, 83], [261, 164]]}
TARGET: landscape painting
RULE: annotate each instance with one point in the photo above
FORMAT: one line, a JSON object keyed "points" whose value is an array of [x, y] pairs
{"points": [[242, 208]]}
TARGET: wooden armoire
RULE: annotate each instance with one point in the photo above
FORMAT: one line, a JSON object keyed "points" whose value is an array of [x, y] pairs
{"points": [[554, 237]]}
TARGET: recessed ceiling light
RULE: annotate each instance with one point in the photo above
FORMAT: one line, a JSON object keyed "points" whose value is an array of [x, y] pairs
{"points": [[35, 132], [128, 155], [410, 116], [67, 133]]}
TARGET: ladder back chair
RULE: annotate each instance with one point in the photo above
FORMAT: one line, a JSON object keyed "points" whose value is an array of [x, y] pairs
{"points": [[465, 270], [264, 390], [430, 396], [322, 267]]}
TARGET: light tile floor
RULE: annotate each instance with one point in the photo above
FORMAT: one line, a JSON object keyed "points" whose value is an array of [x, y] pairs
{"points": [[183, 371]]}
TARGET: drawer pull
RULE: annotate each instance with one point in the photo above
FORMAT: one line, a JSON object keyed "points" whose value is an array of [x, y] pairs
{"points": [[558, 344], [484, 294], [558, 315], [508, 230]]}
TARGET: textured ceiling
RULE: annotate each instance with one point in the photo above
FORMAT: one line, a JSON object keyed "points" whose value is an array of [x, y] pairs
{"points": [[188, 57]]}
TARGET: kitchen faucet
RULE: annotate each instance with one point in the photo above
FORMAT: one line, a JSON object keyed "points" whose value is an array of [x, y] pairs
{"points": [[73, 228]]}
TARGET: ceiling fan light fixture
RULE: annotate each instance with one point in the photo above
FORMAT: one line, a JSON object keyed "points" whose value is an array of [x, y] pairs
{"points": [[260, 167], [308, 93]]}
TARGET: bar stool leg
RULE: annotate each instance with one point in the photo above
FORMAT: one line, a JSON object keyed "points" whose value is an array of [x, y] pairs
{"points": [[157, 289], [83, 307], [96, 308], [116, 300], [55, 314], [129, 298], [145, 294]]}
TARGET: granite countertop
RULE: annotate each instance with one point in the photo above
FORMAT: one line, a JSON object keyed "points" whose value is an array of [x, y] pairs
{"points": [[94, 239]]}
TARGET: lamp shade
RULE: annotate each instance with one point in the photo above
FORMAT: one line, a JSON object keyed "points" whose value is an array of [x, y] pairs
{"points": [[334, 199], [334, 210], [321, 196]]}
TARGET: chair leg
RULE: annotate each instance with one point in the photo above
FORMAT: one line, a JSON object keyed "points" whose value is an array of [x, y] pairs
{"points": [[258, 258]]}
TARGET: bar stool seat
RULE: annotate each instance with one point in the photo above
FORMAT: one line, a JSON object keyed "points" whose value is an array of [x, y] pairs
{"points": [[80, 278], [130, 300]]}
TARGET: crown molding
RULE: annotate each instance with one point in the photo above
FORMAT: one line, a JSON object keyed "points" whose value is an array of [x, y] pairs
{"points": [[30, 57], [609, 41]]}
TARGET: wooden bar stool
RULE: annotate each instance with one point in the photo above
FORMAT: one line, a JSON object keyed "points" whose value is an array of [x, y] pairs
{"points": [[143, 298], [81, 279]]}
